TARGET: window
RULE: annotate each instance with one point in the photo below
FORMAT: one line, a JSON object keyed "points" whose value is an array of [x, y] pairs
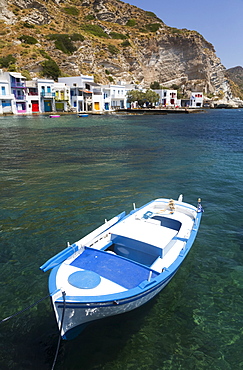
{"points": [[3, 90]]}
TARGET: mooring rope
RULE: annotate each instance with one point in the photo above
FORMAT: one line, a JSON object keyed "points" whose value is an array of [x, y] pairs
{"points": [[60, 331], [25, 309]]}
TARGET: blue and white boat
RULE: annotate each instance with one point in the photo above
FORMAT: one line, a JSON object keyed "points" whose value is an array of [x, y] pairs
{"points": [[83, 115], [122, 264]]}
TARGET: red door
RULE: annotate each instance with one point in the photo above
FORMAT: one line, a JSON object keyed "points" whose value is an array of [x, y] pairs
{"points": [[35, 106]]}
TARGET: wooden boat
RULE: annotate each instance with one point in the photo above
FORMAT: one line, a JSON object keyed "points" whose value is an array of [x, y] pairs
{"points": [[122, 264], [83, 115], [54, 115]]}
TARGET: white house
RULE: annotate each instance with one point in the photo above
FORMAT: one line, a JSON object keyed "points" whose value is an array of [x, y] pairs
{"points": [[62, 96], [6, 98], [47, 95], [80, 93], [97, 96], [33, 98], [17, 88], [196, 100], [114, 97], [168, 98]]}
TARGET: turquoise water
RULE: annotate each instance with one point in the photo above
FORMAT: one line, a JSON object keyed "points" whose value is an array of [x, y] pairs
{"points": [[60, 178]]}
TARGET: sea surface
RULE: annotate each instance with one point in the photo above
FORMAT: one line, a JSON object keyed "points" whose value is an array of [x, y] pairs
{"points": [[60, 178]]}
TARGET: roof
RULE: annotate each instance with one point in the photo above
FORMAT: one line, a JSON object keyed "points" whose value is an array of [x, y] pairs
{"points": [[86, 91], [16, 75], [92, 84]]}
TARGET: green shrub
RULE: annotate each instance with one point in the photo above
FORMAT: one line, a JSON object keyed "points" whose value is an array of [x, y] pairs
{"points": [[12, 68], [28, 39], [44, 54], [71, 10], [89, 17], [116, 35], [155, 85], [26, 74], [151, 14], [107, 72], [112, 49], [175, 30], [110, 78], [50, 69], [28, 25], [5, 62], [153, 27], [95, 30], [125, 43], [63, 42], [131, 23], [77, 37]]}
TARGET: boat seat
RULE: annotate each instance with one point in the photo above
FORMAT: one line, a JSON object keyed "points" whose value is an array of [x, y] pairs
{"points": [[126, 273]]}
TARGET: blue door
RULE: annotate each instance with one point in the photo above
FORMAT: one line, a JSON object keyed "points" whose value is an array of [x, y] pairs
{"points": [[47, 105]]}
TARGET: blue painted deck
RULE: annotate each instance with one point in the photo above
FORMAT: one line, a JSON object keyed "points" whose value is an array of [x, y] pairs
{"points": [[126, 273]]}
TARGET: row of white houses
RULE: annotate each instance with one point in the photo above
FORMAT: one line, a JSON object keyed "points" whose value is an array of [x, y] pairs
{"points": [[76, 94]]}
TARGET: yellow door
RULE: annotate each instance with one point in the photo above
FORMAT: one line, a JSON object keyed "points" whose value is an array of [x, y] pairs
{"points": [[97, 106]]}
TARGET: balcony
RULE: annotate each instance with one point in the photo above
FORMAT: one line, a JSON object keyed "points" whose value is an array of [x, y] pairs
{"points": [[45, 94], [61, 97], [20, 96], [6, 96], [18, 84]]}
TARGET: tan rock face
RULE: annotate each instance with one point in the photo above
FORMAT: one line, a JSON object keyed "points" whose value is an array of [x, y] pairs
{"points": [[149, 50]]}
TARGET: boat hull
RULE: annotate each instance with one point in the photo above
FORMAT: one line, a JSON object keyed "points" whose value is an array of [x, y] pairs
{"points": [[78, 315]]}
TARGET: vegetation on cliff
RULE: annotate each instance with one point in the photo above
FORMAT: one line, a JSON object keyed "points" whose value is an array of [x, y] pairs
{"points": [[93, 36], [235, 76]]}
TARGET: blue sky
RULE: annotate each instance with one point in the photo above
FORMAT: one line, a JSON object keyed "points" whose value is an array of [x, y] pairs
{"points": [[219, 21]]}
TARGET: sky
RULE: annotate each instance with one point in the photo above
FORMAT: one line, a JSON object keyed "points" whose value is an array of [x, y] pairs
{"points": [[218, 21]]}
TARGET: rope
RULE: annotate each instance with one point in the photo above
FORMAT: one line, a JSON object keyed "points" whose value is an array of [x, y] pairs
{"points": [[60, 336], [25, 309]]}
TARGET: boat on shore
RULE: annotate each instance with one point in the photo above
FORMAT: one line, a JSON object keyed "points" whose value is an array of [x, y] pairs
{"points": [[122, 264]]}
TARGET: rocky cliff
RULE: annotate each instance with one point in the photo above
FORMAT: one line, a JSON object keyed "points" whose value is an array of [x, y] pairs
{"points": [[110, 39]]}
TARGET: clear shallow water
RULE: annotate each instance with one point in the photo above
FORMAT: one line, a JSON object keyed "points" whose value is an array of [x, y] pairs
{"points": [[60, 178]]}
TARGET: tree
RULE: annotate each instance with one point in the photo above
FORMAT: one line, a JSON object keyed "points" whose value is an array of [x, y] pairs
{"points": [[135, 95], [148, 97], [50, 69], [151, 96], [7, 60], [155, 85]]}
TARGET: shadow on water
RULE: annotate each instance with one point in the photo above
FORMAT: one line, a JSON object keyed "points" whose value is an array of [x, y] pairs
{"points": [[102, 341]]}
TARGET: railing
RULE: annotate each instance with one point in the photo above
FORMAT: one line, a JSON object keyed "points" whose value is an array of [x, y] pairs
{"points": [[61, 98], [47, 94], [20, 97], [18, 84], [6, 96]]}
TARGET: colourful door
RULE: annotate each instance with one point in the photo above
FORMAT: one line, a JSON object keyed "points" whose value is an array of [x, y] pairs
{"points": [[97, 106], [35, 106], [47, 105]]}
